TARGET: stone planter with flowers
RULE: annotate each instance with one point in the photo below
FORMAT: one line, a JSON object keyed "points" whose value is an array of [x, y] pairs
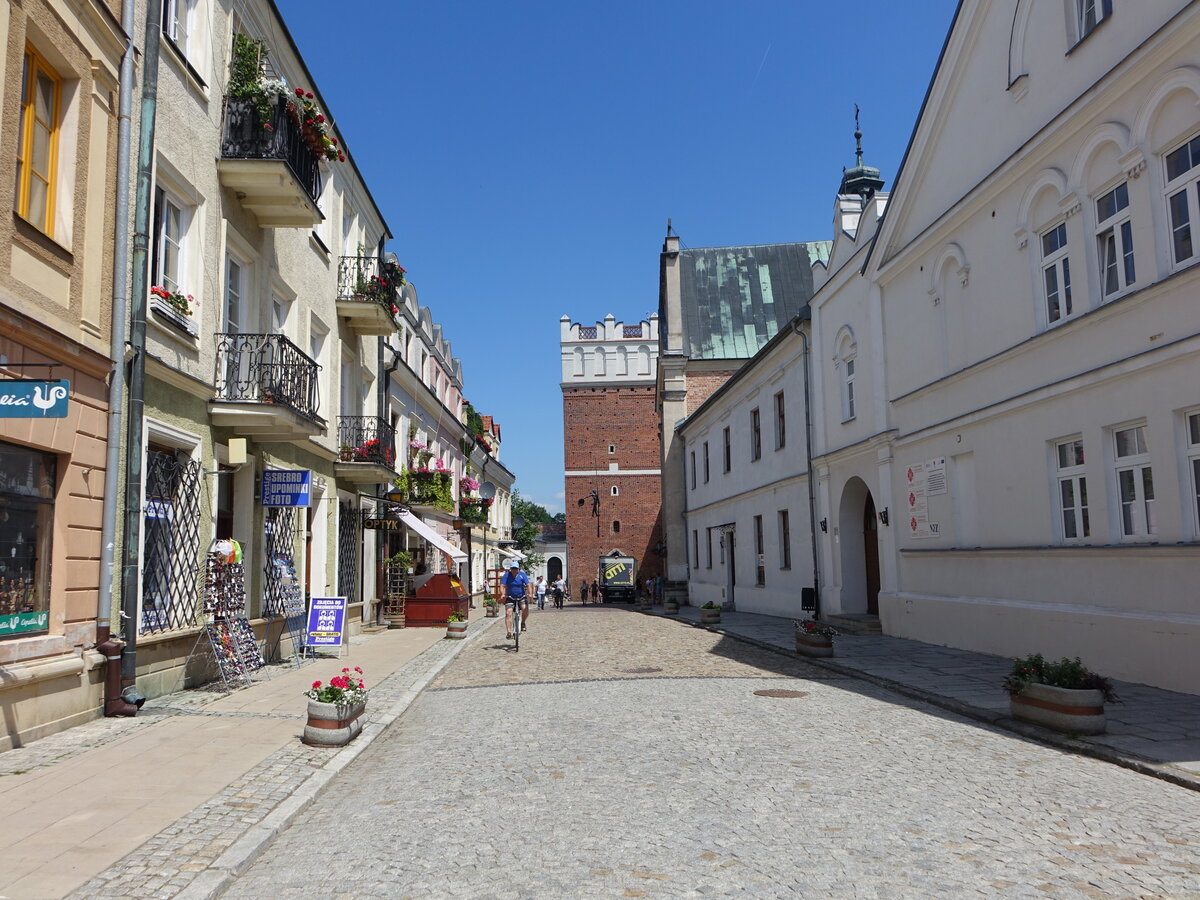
{"points": [[814, 638], [710, 614], [335, 709], [1064, 696]]}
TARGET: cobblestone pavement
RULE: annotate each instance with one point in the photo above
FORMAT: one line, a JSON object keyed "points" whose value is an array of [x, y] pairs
{"points": [[571, 770], [166, 864]]}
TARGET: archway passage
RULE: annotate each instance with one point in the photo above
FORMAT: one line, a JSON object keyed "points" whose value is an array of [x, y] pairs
{"points": [[554, 569], [858, 530]]}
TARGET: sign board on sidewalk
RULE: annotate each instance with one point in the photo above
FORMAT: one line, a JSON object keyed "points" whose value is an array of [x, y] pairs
{"points": [[326, 622], [286, 487], [34, 399]]}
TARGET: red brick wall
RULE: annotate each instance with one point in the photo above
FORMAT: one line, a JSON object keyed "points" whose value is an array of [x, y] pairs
{"points": [[592, 420], [636, 507], [702, 385]]}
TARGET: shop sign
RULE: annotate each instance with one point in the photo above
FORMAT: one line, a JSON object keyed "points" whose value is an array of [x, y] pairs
{"points": [[19, 623], [286, 487], [326, 622], [34, 399]]}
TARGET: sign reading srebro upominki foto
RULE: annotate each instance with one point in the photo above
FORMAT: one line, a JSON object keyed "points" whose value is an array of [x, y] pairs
{"points": [[286, 487], [34, 399]]}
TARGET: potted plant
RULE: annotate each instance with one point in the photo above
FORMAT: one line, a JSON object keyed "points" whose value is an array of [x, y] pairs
{"points": [[491, 608], [814, 638], [710, 614], [1065, 696], [456, 626], [334, 709]]}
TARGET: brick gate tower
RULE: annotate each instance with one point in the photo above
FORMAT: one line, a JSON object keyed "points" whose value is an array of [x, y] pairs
{"points": [[611, 445]]}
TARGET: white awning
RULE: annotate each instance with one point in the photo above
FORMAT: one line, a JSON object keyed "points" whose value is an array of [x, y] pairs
{"points": [[510, 553], [432, 536]]}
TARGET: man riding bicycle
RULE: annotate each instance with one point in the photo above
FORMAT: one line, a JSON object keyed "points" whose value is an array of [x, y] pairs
{"points": [[515, 585]]}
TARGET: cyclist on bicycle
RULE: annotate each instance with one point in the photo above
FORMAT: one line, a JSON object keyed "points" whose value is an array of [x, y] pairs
{"points": [[515, 584]]}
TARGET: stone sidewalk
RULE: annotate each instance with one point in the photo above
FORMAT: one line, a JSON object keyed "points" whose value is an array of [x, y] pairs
{"points": [[169, 803], [1152, 731]]}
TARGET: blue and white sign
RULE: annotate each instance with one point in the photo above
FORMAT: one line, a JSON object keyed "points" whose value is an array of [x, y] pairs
{"points": [[326, 622], [286, 487], [34, 399]]}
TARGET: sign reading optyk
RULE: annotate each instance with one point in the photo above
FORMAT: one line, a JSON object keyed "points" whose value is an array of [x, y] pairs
{"points": [[326, 622], [286, 487], [34, 399]]}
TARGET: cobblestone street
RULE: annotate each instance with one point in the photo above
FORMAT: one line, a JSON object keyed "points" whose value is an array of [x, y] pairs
{"points": [[620, 754]]}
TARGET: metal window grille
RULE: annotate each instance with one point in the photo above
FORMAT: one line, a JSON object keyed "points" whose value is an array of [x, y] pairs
{"points": [[170, 555], [348, 552], [282, 595]]}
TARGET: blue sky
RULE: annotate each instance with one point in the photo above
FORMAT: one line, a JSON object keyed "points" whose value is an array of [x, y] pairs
{"points": [[527, 154]]}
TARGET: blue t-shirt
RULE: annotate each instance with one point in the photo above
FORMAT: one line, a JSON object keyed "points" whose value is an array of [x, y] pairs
{"points": [[514, 585]]}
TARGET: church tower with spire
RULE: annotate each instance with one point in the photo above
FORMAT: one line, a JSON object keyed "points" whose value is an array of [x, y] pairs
{"points": [[862, 181]]}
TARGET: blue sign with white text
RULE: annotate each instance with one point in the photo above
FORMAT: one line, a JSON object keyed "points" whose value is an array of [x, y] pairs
{"points": [[286, 487], [34, 399], [326, 622]]}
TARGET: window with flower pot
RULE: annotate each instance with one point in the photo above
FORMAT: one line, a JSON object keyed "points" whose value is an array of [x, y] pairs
{"points": [[169, 295], [28, 483]]}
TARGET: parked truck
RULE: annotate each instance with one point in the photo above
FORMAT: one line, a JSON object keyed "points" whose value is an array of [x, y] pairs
{"points": [[618, 577]]}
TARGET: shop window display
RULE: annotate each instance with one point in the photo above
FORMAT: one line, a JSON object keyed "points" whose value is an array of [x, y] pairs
{"points": [[27, 485]]}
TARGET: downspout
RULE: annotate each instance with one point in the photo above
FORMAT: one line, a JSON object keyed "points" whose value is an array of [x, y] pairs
{"points": [[812, 493], [105, 644], [137, 373]]}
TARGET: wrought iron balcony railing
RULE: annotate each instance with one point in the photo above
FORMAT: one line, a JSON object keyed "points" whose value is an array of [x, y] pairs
{"points": [[246, 136], [266, 368], [366, 278], [366, 439]]}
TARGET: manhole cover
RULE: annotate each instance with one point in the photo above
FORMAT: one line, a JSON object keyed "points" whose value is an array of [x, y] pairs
{"points": [[642, 670], [780, 692]]}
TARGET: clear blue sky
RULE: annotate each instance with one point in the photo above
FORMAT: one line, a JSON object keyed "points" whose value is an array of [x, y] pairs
{"points": [[527, 154]]}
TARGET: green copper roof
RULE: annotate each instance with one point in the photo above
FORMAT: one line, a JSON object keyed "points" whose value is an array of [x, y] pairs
{"points": [[735, 299]]}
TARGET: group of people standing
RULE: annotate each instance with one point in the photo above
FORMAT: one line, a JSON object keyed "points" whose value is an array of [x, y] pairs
{"points": [[556, 591]]}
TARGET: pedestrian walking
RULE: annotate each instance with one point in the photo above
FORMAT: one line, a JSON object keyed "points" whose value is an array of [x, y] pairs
{"points": [[560, 588], [583, 592], [539, 590], [597, 597]]}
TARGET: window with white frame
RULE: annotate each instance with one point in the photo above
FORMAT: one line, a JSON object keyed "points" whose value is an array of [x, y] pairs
{"points": [[728, 451], [760, 569], [1072, 490], [177, 21], [1056, 273], [235, 295], [695, 549], [615, 491], [1114, 241], [785, 540], [1135, 482], [706, 462], [171, 220], [1183, 173], [848, 390], [1193, 463], [1089, 14], [755, 435], [693, 456], [708, 547]]}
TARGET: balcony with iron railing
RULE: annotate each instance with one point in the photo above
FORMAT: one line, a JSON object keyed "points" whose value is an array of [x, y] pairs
{"points": [[266, 388], [271, 165], [367, 450], [369, 294]]}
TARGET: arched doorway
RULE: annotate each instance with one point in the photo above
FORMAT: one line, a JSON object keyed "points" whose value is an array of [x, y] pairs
{"points": [[554, 569], [858, 538]]}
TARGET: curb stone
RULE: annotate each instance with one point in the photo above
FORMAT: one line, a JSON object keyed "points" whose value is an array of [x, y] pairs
{"points": [[1142, 766], [213, 881]]}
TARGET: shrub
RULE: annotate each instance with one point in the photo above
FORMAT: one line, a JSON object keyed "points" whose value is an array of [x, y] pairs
{"points": [[1066, 673]]}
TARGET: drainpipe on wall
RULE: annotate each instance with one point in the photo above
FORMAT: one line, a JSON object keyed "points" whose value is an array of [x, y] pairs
{"points": [[137, 369], [105, 644], [812, 492]]}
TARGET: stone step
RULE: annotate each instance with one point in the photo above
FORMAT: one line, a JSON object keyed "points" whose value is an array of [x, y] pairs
{"points": [[854, 623]]}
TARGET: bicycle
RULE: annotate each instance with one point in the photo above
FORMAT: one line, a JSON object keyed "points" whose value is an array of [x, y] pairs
{"points": [[516, 624]]}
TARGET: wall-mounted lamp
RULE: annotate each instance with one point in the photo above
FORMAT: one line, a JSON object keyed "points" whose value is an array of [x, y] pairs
{"points": [[883, 515], [824, 523]]}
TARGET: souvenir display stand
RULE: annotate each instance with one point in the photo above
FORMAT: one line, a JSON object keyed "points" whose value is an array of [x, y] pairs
{"points": [[399, 586], [234, 646], [435, 600]]}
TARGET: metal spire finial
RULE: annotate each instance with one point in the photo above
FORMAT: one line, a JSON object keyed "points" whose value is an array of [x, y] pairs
{"points": [[858, 153]]}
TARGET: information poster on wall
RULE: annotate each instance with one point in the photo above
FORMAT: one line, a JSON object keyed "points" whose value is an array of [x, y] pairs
{"points": [[921, 480], [326, 622]]}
